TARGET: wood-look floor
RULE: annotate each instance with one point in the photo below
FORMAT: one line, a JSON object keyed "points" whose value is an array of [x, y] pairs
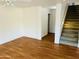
{"points": [[27, 48]]}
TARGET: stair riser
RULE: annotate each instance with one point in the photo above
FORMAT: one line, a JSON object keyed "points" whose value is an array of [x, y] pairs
{"points": [[69, 43], [71, 31], [69, 35], [69, 39]]}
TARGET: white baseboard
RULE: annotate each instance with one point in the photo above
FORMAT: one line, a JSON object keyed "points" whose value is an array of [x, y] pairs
{"points": [[6, 40]]}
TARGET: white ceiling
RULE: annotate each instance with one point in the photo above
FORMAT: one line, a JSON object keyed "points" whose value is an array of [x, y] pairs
{"points": [[24, 3], [35, 2]]}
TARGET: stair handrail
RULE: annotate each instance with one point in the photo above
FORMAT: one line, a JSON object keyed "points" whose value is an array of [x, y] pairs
{"points": [[78, 34], [78, 38]]}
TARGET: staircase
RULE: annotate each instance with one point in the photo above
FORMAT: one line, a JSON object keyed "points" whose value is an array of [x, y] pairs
{"points": [[70, 31]]}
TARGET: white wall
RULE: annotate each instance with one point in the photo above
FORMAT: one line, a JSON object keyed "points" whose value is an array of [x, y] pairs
{"points": [[52, 20], [35, 21], [17, 22], [32, 22], [60, 17], [10, 24], [57, 24], [44, 21]]}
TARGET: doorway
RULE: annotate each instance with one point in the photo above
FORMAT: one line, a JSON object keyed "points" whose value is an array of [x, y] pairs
{"points": [[51, 21], [51, 26]]}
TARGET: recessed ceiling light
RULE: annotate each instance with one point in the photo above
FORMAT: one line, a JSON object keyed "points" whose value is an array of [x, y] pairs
{"points": [[64, 0], [28, 0], [7, 2]]}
